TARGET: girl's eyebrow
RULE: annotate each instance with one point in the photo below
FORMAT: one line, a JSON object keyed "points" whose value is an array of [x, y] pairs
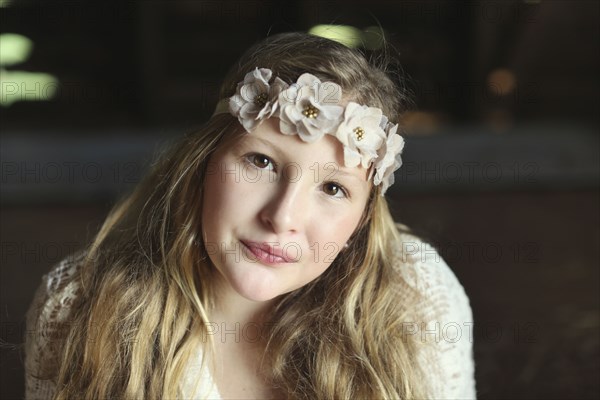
{"points": [[264, 142], [339, 171]]}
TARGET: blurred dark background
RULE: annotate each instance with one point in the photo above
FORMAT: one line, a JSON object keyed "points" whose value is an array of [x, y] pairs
{"points": [[501, 165]]}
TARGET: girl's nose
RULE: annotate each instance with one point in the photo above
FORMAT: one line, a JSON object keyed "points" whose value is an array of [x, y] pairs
{"points": [[287, 209]]}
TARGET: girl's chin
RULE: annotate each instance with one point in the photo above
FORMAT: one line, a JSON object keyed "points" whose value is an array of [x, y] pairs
{"points": [[254, 291], [257, 295]]}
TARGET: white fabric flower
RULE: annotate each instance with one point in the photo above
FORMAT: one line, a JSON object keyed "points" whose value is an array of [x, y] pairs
{"points": [[310, 108], [361, 134], [255, 98], [388, 159]]}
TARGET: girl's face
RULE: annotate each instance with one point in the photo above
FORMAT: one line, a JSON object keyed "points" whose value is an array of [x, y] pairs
{"points": [[277, 210]]}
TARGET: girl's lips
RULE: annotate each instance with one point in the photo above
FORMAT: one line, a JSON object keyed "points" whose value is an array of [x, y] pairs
{"points": [[266, 253]]}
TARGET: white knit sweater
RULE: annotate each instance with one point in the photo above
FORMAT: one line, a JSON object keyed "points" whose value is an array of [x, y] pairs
{"points": [[445, 322]]}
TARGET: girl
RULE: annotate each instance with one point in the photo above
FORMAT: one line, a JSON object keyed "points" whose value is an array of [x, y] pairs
{"points": [[259, 258]]}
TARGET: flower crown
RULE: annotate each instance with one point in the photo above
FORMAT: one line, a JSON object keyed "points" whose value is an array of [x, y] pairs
{"points": [[311, 108]]}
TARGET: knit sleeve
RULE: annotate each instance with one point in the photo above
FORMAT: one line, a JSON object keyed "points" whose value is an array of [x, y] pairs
{"points": [[47, 317], [443, 320]]}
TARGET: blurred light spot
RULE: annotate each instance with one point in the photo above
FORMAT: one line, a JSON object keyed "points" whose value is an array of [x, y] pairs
{"points": [[421, 122], [14, 48], [532, 1], [373, 37], [501, 81], [500, 120], [5, 3], [26, 86], [345, 34]]}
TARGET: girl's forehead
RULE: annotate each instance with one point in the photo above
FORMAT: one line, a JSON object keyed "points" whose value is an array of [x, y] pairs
{"points": [[269, 134]]}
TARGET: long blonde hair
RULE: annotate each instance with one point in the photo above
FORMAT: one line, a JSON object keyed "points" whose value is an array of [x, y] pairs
{"points": [[147, 281]]}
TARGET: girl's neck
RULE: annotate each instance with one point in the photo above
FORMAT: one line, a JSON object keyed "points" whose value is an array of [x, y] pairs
{"points": [[236, 315]]}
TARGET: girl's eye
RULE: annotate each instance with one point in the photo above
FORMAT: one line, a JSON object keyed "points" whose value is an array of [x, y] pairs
{"points": [[260, 161], [334, 189]]}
